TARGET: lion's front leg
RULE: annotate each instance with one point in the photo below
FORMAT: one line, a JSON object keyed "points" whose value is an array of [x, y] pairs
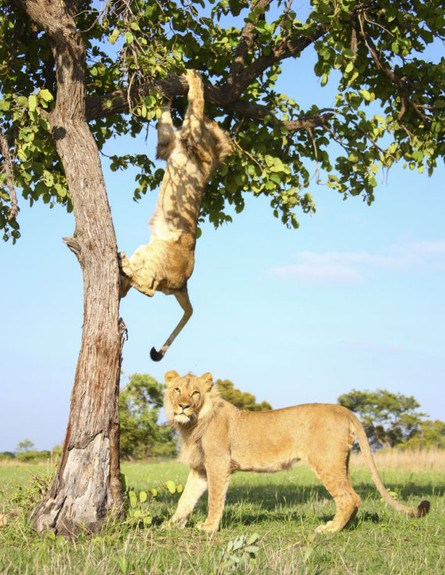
{"points": [[194, 488], [125, 273], [138, 272], [218, 479], [125, 265]]}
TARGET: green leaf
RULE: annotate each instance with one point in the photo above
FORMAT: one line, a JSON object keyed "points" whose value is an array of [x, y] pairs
{"points": [[46, 95], [171, 486], [148, 520], [418, 156], [32, 102], [253, 539], [368, 96], [353, 157], [133, 499], [123, 565], [114, 36]]}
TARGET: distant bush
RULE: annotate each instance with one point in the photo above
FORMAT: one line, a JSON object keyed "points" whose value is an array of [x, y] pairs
{"points": [[33, 456], [7, 456]]}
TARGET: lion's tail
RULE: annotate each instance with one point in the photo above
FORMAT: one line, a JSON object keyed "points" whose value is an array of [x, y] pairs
{"points": [[419, 511]]}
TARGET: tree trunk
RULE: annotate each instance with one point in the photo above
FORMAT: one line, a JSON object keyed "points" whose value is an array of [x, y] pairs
{"points": [[87, 485]]}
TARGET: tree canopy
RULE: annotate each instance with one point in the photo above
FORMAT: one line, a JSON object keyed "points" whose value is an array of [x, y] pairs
{"points": [[25, 445], [378, 57], [430, 434], [241, 399], [389, 419], [142, 436]]}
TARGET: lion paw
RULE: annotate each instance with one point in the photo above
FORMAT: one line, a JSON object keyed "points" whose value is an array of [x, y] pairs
{"points": [[203, 526], [326, 528], [125, 265], [175, 524]]}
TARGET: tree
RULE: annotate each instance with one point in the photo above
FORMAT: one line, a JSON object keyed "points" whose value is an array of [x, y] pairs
{"points": [[25, 445], [72, 77], [240, 399], [430, 435], [87, 486], [389, 419], [139, 406]]}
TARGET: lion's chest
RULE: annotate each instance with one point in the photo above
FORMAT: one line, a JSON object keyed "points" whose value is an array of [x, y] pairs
{"points": [[192, 455]]}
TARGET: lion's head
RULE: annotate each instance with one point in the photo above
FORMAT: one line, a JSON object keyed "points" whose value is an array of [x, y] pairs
{"points": [[188, 399]]}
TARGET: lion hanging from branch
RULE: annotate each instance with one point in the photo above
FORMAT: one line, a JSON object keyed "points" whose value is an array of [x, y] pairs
{"points": [[192, 153]]}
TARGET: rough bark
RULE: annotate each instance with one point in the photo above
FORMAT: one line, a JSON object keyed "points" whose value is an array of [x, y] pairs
{"points": [[87, 486]]}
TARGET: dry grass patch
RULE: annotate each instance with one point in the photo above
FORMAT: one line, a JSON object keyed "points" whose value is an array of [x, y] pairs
{"points": [[391, 459]]}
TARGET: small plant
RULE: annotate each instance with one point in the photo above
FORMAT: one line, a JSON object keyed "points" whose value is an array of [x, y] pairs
{"points": [[307, 556], [139, 502], [393, 494], [238, 553], [28, 495]]}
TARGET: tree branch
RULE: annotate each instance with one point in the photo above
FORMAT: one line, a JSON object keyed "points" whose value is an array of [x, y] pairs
{"points": [[7, 168], [290, 46], [246, 40], [284, 49], [121, 101], [399, 82]]}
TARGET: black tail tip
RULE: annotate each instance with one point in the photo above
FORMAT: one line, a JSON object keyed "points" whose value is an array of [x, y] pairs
{"points": [[156, 355], [423, 508]]}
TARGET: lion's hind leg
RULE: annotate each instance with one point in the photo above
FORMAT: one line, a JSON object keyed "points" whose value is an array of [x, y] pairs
{"points": [[335, 477], [184, 301]]}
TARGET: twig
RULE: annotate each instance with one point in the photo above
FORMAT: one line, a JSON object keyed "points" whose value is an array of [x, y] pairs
{"points": [[400, 82], [7, 167], [248, 154]]}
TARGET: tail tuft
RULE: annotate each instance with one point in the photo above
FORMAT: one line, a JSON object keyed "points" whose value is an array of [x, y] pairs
{"points": [[423, 508], [158, 355]]}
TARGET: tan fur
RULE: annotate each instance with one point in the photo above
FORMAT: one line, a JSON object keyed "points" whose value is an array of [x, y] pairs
{"points": [[217, 439], [192, 153]]}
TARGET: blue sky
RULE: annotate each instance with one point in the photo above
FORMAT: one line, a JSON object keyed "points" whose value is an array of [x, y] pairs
{"points": [[352, 299]]}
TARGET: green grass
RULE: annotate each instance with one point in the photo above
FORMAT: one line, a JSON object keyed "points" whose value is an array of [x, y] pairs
{"points": [[283, 509]]}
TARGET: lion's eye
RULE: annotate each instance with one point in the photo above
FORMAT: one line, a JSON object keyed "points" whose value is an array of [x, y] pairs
{"points": [[177, 390], [196, 393]]}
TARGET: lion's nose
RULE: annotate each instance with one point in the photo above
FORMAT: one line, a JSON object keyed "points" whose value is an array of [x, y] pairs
{"points": [[184, 406]]}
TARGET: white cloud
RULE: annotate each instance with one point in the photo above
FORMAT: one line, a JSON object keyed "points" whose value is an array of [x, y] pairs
{"points": [[353, 267]]}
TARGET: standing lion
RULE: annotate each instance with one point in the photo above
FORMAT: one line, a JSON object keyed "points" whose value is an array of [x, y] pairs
{"points": [[217, 439]]}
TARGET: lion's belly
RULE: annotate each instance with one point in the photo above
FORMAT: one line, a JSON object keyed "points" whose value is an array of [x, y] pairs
{"points": [[265, 456], [269, 466]]}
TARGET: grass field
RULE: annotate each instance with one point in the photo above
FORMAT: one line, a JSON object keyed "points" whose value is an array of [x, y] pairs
{"points": [[268, 526]]}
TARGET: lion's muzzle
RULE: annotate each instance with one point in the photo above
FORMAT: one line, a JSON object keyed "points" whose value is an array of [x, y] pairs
{"points": [[183, 412]]}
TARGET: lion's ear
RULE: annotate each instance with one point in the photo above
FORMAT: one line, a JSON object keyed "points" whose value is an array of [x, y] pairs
{"points": [[170, 376], [207, 379]]}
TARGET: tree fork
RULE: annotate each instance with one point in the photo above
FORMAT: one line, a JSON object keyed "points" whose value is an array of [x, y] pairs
{"points": [[87, 486]]}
